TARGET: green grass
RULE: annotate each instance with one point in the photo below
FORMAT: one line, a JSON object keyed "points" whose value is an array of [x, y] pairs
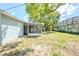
{"points": [[56, 53], [56, 39]]}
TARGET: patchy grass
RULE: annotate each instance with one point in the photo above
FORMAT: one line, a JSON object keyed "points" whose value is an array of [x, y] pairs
{"points": [[56, 40]]}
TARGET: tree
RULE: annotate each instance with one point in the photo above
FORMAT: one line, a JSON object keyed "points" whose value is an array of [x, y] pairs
{"points": [[45, 13]]}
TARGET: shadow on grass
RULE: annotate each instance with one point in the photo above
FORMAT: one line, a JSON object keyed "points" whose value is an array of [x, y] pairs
{"points": [[48, 32], [32, 36], [73, 33], [29, 36]]}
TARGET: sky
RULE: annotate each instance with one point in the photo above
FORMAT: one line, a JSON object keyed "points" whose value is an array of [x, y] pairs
{"points": [[69, 10], [18, 12], [66, 11]]}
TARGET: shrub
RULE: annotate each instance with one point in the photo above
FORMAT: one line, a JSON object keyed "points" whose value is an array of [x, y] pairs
{"points": [[11, 45]]}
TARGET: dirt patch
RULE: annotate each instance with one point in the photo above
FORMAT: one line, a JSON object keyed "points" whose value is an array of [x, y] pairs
{"points": [[72, 49], [40, 50]]}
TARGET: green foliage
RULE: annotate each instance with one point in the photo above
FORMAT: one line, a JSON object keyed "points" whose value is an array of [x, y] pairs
{"points": [[11, 45], [45, 13], [29, 50], [56, 53]]}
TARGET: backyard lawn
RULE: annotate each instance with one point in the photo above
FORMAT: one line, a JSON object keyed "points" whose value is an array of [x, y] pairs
{"points": [[49, 43]]}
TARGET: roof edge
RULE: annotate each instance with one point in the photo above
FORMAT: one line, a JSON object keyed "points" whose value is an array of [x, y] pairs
{"points": [[10, 15]]}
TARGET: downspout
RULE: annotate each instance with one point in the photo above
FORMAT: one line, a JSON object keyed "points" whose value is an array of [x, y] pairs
{"points": [[27, 29], [41, 27]]}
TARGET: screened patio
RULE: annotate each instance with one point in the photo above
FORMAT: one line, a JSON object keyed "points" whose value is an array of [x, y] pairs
{"points": [[33, 29]]}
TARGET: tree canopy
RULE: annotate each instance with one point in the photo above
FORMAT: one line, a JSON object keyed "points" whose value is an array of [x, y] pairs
{"points": [[45, 13]]}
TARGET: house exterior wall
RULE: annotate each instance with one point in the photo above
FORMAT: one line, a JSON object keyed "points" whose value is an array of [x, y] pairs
{"points": [[71, 24], [11, 29]]}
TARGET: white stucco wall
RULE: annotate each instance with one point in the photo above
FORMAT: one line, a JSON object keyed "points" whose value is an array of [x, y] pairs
{"points": [[11, 29]]}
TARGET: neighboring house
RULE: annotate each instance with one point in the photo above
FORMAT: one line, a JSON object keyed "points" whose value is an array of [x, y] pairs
{"points": [[12, 27], [70, 24]]}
